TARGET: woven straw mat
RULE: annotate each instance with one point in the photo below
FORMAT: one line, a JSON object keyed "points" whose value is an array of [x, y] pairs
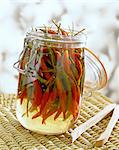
{"points": [[14, 137]]}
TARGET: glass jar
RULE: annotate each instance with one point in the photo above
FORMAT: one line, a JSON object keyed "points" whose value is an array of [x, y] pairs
{"points": [[51, 80]]}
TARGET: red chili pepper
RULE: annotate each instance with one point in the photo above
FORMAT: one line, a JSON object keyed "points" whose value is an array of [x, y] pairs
{"points": [[74, 103], [22, 95], [49, 31], [44, 100], [78, 55], [72, 64], [37, 93], [19, 84], [45, 68], [48, 114], [59, 111], [36, 115], [51, 99], [62, 95], [64, 32], [58, 57], [52, 31], [78, 66], [67, 64], [42, 49], [78, 95], [66, 60], [74, 71]]}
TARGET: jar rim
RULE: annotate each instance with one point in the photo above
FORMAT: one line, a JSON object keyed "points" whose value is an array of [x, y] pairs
{"points": [[36, 33]]}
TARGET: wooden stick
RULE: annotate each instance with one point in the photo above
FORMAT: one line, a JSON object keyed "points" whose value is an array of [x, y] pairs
{"points": [[91, 122], [106, 134]]}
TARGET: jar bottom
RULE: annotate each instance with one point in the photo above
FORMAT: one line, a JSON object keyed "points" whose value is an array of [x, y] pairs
{"points": [[51, 127]]}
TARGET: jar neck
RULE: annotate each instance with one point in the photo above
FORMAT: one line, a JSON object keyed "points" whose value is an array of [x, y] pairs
{"points": [[57, 40]]}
